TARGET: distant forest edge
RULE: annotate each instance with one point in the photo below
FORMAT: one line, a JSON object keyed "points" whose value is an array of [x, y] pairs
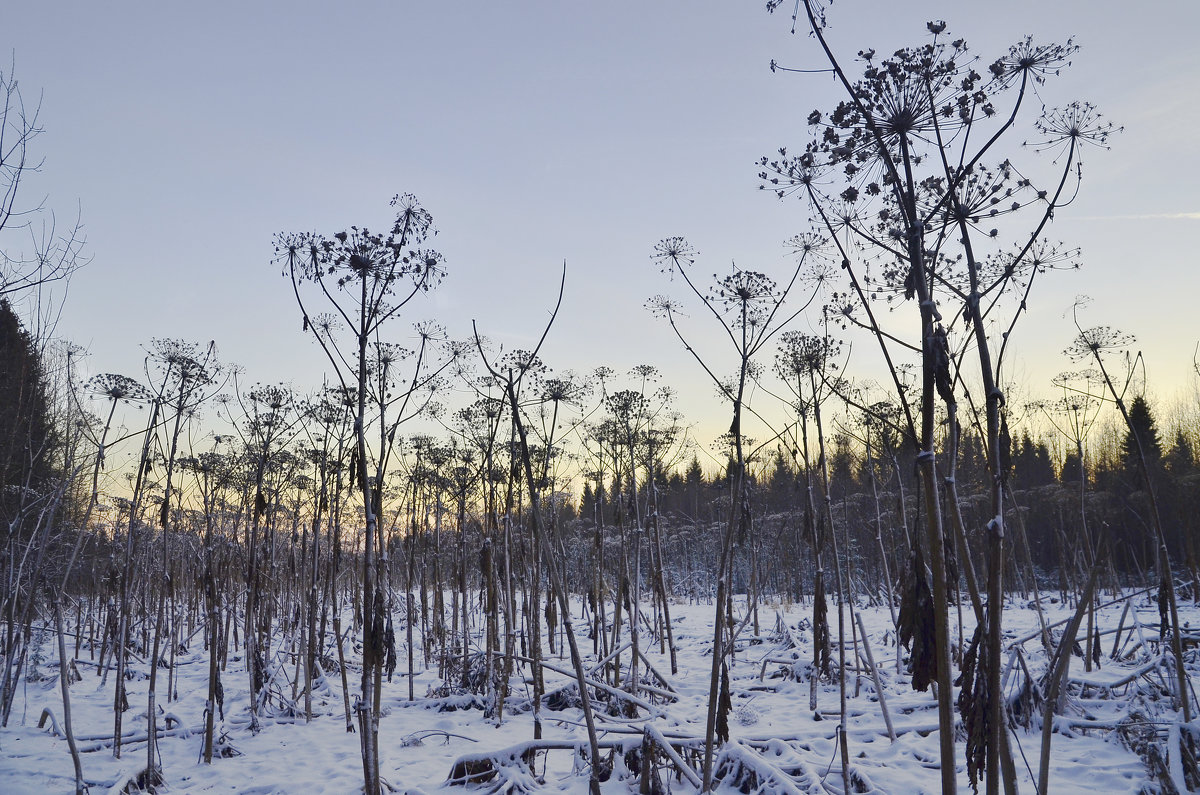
{"points": [[275, 462]]}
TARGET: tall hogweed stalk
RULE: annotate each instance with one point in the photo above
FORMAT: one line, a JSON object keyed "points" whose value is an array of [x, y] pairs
{"points": [[914, 177]]}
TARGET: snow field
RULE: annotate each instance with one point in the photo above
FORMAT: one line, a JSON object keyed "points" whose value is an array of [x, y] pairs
{"points": [[774, 733]]}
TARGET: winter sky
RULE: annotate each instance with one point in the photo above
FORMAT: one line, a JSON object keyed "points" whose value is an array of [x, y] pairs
{"points": [[187, 135]]}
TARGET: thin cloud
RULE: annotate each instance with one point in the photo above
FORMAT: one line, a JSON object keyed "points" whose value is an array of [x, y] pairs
{"points": [[1149, 217]]}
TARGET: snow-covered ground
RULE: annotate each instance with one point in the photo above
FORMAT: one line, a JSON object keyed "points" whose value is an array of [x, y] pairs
{"points": [[770, 723]]}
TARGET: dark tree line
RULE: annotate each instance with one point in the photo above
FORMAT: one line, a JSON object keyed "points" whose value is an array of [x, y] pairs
{"points": [[1043, 478]]}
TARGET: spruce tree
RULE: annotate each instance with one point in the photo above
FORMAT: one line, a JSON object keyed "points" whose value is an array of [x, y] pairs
{"points": [[26, 439], [1141, 422]]}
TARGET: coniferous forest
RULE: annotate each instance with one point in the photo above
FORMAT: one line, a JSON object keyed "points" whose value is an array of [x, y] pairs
{"points": [[449, 565]]}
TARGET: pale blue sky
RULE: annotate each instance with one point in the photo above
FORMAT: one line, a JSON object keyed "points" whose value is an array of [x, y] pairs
{"points": [[538, 132]]}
